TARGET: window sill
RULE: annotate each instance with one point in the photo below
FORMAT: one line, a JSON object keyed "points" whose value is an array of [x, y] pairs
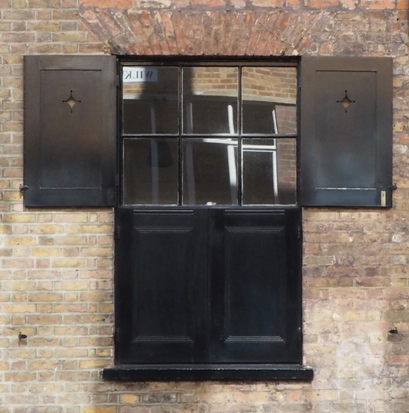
{"points": [[201, 372]]}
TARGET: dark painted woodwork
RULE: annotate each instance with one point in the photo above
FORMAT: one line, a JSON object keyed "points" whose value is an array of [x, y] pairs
{"points": [[346, 131], [256, 286], [161, 288], [198, 372], [208, 286], [69, 130]]}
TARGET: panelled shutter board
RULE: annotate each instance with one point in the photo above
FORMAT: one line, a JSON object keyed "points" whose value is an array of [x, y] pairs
{"points": [[346, 132], [69, 131], [160, 286], [208, 286], [256, 303]]}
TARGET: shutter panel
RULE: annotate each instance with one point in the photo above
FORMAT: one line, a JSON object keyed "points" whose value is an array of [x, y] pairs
{"points": [[346, 132], [256, 286], [160, 290], [69, 131], [208, 286]]}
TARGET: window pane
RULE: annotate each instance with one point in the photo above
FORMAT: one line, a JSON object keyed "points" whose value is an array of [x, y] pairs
{"points": [[269, 100], [150, 171], [209, 171], [269, 171], [150, 100], [210, 100]]}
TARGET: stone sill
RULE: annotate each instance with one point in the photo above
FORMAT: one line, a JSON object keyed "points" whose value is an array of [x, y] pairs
{"points": [[202, 372]]}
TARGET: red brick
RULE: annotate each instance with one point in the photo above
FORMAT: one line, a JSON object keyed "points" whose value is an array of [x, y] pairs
{"points": [[378, 4]]}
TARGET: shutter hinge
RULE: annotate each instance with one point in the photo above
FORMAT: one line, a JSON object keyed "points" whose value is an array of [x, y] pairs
{"points": [[117, 187], [300, 338], [393, 187], [299, 231], [117, 334], [117, 231], [117, 79], [22, 188]]}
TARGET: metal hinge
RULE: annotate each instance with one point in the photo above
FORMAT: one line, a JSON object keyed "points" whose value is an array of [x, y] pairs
{"points": [[300, 338], [299, 231], [117, 231], [116, 334], [22, 188], [117, 187], [118, 75]]}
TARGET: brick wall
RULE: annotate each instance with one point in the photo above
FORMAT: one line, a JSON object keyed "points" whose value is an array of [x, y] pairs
{"points": [[56, 265]]}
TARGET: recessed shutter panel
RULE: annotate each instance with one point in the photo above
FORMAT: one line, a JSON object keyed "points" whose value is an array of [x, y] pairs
{"points": [[69, 131], [346, 132], [161, 286], [255, 258]]}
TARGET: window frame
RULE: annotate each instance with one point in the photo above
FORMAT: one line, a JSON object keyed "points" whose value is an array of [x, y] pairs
{"points": [[215, 62], [214, 371]]}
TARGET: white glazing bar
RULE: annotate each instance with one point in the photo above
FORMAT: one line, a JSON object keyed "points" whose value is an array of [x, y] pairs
{"points": [[274, 157], [275, 125], [231, 158], [274, 173], [232, 173], [231, 119]]}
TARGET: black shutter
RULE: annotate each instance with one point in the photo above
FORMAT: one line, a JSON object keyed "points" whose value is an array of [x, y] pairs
{"points": [[69, 131], [160, 289], [256, 286], [346, 131], [208, 286]]}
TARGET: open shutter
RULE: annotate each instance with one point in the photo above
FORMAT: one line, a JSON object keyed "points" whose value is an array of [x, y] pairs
{"points": [[69, 131], [346, 132]]}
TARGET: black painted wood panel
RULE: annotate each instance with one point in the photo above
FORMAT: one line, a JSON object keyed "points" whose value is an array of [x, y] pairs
{"points": [[256, 295], [346, 131], [255, 266], [208, 286], [70, 130], [199, 372], [161, 286]]}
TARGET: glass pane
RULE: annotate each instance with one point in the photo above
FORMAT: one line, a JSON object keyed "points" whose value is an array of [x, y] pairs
{"points": [[150, 99], [210, 100], [209, 171], [269, 100], [269, 171], [150, 171]]}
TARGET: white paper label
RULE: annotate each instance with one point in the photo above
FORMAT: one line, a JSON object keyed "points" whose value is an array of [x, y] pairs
{"points": [[139, 74]]}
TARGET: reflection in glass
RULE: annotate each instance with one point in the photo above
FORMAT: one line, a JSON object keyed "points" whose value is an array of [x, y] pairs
{"points": [[150, 171], [210, 100], [209, 171], [150, 100], [269, 171], [269, 99]]}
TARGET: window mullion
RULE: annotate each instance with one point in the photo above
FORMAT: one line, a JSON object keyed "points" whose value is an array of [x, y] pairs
{"points": [[239, 145], [180, 160]]}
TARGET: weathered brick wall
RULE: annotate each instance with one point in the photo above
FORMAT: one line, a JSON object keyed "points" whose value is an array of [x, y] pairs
{"points": [[56, 265]]}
